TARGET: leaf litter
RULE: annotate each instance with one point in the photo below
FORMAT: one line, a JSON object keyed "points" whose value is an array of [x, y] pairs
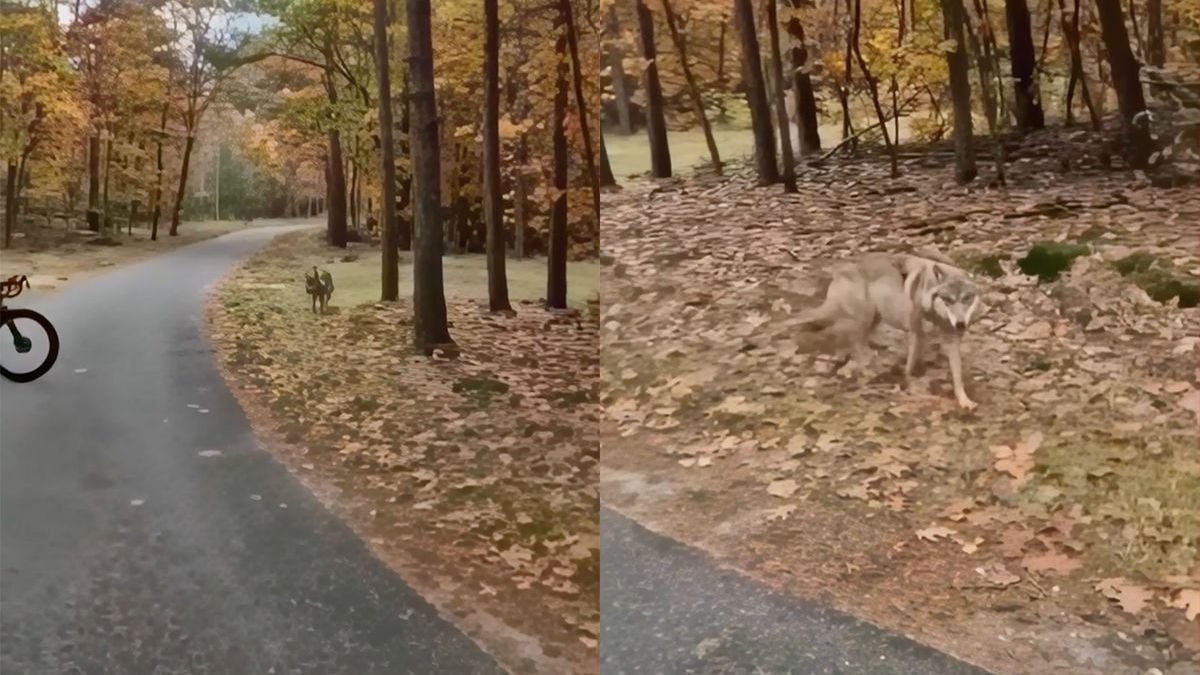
{"points": [[1087, 388], [474, 473]]}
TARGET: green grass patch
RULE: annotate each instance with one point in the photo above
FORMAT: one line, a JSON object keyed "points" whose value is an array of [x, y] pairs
{"points": [[357, 282], [1155, 276], [1049, 259], [1124, 486], [988, 265]]}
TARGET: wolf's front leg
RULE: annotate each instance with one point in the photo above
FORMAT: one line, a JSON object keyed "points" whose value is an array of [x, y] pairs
{"points": [[916, 338], [314, 303], [954, 354]]}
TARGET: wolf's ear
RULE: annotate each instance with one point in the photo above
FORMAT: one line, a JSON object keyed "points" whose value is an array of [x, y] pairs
{"points": [[939, 275]]}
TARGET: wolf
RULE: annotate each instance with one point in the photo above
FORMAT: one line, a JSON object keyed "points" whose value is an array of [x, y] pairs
{"points": [[903, 291], [319, 285]]}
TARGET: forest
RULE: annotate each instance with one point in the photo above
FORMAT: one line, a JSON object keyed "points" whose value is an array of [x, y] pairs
{"points": [[1049, 149], [882, 73], [118, 114]]}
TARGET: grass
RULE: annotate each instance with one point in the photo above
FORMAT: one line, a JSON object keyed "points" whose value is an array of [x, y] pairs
{"points": [[357, 282], [630, 155]]}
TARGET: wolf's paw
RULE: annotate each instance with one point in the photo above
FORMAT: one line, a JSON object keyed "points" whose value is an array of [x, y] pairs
{"points": [[966, 403]]}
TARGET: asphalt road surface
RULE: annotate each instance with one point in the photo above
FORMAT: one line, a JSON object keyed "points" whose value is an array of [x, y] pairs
{"points": [[128, 546], [668, 609]]}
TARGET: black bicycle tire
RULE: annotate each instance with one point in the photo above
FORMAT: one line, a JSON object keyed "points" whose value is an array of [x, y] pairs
{"points": [[51, 334]]}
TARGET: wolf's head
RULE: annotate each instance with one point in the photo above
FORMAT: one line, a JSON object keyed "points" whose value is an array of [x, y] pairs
{"points": [[312, 283], [953, 299]]}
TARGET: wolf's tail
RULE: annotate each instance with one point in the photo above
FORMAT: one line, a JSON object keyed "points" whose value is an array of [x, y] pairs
{"points": [[819, 318]]}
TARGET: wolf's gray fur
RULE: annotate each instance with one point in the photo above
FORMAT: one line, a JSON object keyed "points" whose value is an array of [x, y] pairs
{"points": [[319, 285], [902, 291]]}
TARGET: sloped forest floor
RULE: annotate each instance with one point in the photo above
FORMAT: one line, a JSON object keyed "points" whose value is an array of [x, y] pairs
{"points": [[1053, 529], [54, 256], [475, 477]]}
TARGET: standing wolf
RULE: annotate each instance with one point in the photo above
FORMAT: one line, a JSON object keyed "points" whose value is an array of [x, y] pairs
{"points": [[902, 291], [319, 285]]}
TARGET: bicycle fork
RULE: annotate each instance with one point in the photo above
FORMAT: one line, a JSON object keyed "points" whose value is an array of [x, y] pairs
{"points": [[22, 343]]}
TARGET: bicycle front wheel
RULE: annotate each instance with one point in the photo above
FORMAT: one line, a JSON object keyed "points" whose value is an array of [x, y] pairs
{"points": [[28, 345]]}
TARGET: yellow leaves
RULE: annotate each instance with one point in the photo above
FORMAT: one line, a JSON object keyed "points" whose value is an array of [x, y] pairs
{"points": [[947, 46]]}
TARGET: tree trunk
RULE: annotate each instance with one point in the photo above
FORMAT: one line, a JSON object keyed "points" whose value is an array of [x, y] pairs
{"points": [[493, 205], [960, 91], [656, 124], [93, 216], [581, 105], [520, 199], [806, 100], [1071, 33], [10, 203], [616, 67], [1125, 80], [183, 176], [692, 87], [1024, 66], [607, 179], [756, 96], [785, 127], [556, 268], [335, 217], [1155, 50], [388, 231], [353, 201], [107, 220], [873, 89], [430, 329], [133, 212], [158, 175]]}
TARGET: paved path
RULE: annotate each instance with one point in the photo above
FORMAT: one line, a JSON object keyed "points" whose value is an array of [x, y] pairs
{"points": [[124, 550], [668, 608]]}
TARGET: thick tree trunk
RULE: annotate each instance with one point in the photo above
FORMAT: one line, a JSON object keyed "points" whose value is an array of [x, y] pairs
{"points": [[493, 206], [960, 91], [388, 230], [616, 67], [806, 100], [177, 210], [692, 87], [430, 329], [779, 95], [556, 268], [1024, 66], [656, 124], [607, 179], [1125, 69], [335, 217], [1155, 50], [756, 96]]}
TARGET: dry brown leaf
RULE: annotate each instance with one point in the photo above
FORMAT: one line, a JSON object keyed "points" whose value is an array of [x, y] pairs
{"points": [[935, 533], [783, 488]]}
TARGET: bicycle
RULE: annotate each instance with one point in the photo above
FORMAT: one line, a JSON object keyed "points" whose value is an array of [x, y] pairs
{"points": [[23, 345]]}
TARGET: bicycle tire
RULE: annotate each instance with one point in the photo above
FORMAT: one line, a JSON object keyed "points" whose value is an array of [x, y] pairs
{"points": [[51, 334]]}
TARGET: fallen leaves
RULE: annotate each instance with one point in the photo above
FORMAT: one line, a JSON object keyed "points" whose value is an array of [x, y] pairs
{"points": [[1129, 596], [1187, 599], [1017, 461], [1088, 403], [935, 533], [783, 488]]}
